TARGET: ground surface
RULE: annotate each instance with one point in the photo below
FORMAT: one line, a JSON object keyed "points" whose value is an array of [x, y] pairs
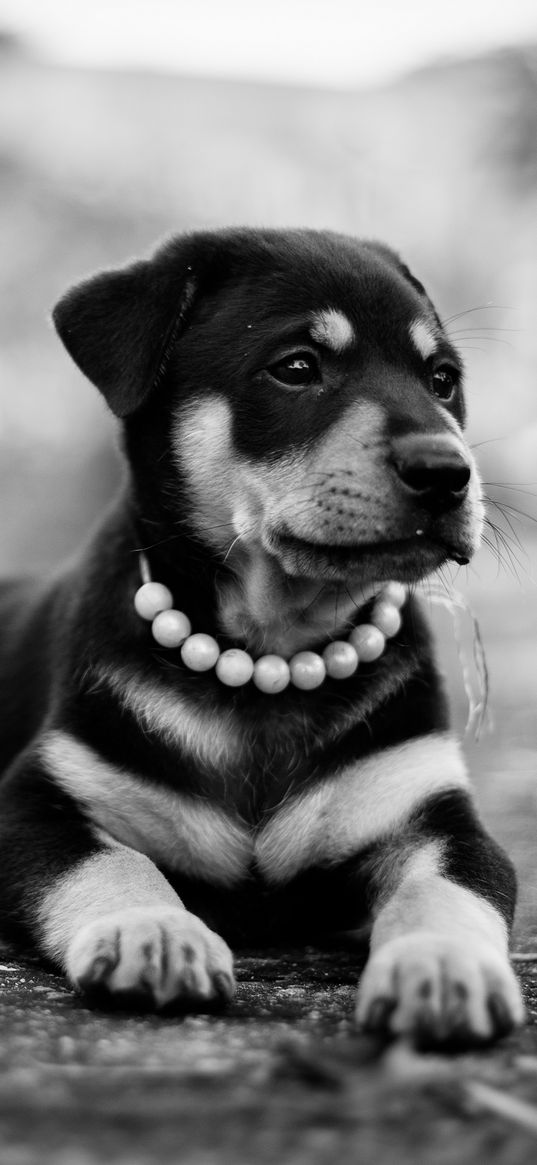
{"points": [[282, 1076]]}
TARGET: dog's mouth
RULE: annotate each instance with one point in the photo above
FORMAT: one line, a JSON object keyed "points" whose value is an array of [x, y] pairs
{"points": [[408, 559]]}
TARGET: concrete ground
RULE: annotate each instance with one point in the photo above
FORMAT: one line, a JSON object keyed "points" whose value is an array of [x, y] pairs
{"points": [[282, 1076]]}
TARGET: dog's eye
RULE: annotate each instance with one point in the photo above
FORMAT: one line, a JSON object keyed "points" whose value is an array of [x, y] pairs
{"points": [[444, 382], [296, 371]]}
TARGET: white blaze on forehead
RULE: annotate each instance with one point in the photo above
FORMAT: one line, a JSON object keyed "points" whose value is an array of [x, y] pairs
{"points": [[423, 338], [332, 328]]}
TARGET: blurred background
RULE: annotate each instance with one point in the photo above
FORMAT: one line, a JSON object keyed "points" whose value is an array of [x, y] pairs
{"points": [[415, 123]]}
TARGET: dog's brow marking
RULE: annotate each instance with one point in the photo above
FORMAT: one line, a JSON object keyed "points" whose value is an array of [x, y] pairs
{"points": [[105, 883], [423, 338], [332, 328], [213, 740], [177, 832], [358, 805]]}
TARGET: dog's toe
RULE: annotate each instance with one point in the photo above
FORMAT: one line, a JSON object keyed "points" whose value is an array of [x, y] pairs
{"points": [[156, 957], [438, 990]]}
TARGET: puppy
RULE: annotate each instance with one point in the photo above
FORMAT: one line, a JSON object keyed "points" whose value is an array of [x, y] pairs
{"points": [[223, 722]]}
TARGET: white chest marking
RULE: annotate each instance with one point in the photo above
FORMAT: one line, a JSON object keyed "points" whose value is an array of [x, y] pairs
{"points": [[321, 826], [177, 832], [358, 805], [214, 741]]}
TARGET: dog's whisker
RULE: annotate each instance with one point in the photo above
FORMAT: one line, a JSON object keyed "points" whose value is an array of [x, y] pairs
{"points": [[517, 516], [485, 339], [468, 311], [232, 544], [205, 529], [520, 488], [506, 555], [482, 329], [153, 545], [336, 605], [352, 599], [508, 551], [506, 508], [488, 441], [470, 348], [304, 610]]}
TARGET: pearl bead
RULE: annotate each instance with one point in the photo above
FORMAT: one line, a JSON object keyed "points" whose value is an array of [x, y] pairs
{"points": [[387, 618], [368, 641], [200, 652], [171, 628], [151, 598], [394, 592], [307, 670], [271, 674], [234, 667], [340, 659]]}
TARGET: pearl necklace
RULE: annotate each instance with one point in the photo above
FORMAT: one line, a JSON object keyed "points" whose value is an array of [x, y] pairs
{"points": [[270, 673]]}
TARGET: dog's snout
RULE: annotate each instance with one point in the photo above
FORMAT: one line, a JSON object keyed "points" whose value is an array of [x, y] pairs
{"points": [[433, 467]]}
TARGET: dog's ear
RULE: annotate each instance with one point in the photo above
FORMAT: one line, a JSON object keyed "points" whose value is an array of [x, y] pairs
{"points": [[120, 326]]}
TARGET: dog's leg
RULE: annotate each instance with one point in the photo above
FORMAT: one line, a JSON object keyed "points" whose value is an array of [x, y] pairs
{"points": [[118, 927], [102, 911], [439, 968]]}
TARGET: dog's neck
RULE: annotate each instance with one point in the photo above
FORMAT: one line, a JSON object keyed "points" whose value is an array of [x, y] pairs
{"points": [[263, 608], [251, 602]]}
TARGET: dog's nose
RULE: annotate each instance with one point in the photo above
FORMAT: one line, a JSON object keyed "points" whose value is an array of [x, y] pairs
{"points": [[433, 467]]}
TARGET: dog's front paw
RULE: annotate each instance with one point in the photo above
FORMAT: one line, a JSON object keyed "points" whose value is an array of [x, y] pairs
{"points": [[439, 990], [151, 956]]}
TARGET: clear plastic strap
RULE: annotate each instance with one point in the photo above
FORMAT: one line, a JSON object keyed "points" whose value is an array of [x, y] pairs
{"points": [[476, 679]]}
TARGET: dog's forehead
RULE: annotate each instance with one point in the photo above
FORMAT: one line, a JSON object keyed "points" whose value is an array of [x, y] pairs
{"points": [[341, 295]]}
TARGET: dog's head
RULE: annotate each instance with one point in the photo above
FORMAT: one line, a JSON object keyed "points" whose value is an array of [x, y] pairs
{"points": [[291, 397]]}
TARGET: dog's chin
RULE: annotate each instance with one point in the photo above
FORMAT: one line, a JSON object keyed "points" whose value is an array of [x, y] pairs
{"points": [[406, 559]]}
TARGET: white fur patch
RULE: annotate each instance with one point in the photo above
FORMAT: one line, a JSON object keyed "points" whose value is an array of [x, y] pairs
{"points": [[177, 832], [423, 338], [204, 431], [205, 454], [425, 899], [117, 879], [216, 742], [332, 328], [356, 806], [438, 956], [322, 826]]}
